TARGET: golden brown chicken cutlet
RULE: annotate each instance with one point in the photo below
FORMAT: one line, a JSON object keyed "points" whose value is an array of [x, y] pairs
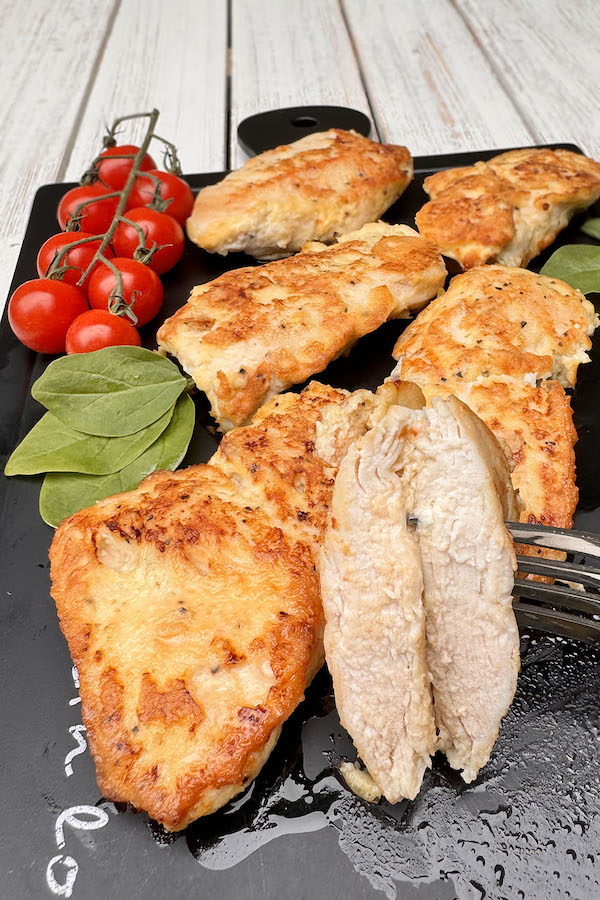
{"points": [[192, 610], [314, 189], [253, 332], [508, 209], [495, 340], [495, 320]]}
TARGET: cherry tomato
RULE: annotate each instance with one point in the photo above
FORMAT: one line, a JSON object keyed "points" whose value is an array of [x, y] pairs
{"points": [[41, 311], [172, 188], [139, 283], [159, 229], [115, 171], [97, 328], [97, 214], [80, 257]]}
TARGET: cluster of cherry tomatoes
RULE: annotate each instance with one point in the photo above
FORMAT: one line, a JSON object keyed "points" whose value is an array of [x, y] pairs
{"points": [[54, 314]]}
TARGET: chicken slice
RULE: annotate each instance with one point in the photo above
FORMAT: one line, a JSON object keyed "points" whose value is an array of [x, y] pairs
{"points": [[462, 496], [372, 590], [414, 611], [314, 189]]}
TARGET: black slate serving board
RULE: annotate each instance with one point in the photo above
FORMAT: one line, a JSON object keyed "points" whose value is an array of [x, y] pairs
{"points": [[528, 827]]}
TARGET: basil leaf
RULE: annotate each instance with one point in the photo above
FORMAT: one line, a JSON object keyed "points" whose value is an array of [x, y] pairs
{"points": [[110, 392], [52, 446], [592, 227], [577, 264], [64, 494]]}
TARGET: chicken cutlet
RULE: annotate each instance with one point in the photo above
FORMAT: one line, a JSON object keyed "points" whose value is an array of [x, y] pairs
{"points": [[508, 209], [253, 332], [488, 340], [314, 189], [192, 609], [496, 320], [420, 635]]}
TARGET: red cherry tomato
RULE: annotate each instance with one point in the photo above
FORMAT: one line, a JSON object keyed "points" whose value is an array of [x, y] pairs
{"points": [[41, 311], [97, 328], [97, 214], [80, 256], [159, 229], [172, 188], [114, 171], [140, 283]]}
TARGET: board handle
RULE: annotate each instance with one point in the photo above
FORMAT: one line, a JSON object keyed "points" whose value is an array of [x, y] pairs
{"points": [[266, 130]]}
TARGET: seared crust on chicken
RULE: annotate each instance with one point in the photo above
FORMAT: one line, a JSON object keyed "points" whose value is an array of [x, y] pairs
{"points": [[412, 612], [315, 189], [495, 320], [253, 332], [192, 610], [489, 339], [507, 210]]}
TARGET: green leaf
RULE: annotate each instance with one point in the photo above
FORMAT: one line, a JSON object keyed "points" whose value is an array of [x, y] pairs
{"points": [[110, 392], [592, 227], [52, 446], [65, 494], [578, 265]]}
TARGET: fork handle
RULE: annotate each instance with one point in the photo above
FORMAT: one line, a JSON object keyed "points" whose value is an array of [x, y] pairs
{"points": [[557, 538]]}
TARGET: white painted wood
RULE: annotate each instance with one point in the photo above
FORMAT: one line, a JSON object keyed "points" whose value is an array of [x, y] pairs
{"points": [[171, 55], [429, 84], [547, 53], [290, 53], [47, 56]]}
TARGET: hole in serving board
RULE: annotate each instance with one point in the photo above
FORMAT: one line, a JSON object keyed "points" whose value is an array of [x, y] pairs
{"points": [[305, 122]]}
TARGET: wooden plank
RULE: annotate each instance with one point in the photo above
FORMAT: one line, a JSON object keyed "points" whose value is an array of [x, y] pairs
{"points": [[171, 56], [547, 53], [49, 50], [429, 83], [290, 53]]}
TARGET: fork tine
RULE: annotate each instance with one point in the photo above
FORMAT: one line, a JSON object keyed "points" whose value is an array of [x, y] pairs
{"points": [[554, 622], [558, 538], [564, 571], [558, 595]]}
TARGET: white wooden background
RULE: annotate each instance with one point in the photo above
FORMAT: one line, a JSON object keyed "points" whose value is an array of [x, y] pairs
{"points": [[436, 75]]}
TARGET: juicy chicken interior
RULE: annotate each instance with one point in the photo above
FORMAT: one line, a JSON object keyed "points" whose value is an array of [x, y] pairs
{"points": [[192, 609], [420, 636], [314, 189], [253, 332], [508, 209], [506, 341]]}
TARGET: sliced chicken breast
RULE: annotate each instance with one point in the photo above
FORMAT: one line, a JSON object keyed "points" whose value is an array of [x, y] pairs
{"points": [[372, 589], [420, 634], [508, 209], [462, 497], [253, 332], [315, 189]]}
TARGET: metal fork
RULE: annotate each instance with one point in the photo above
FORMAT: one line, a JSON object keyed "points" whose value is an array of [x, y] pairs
{"points": [[559, 608]]}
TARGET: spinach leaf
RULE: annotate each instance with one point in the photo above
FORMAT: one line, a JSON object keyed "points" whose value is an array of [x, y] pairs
{"points": [[65, 494], [578, 265], [592, 227], [110, 392], [52, 446]]}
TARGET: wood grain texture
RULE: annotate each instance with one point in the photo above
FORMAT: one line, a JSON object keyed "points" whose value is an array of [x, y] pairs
{"points": [[170, 55], [48, 52], [429, 83], [547, 54], [289, 54]]}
